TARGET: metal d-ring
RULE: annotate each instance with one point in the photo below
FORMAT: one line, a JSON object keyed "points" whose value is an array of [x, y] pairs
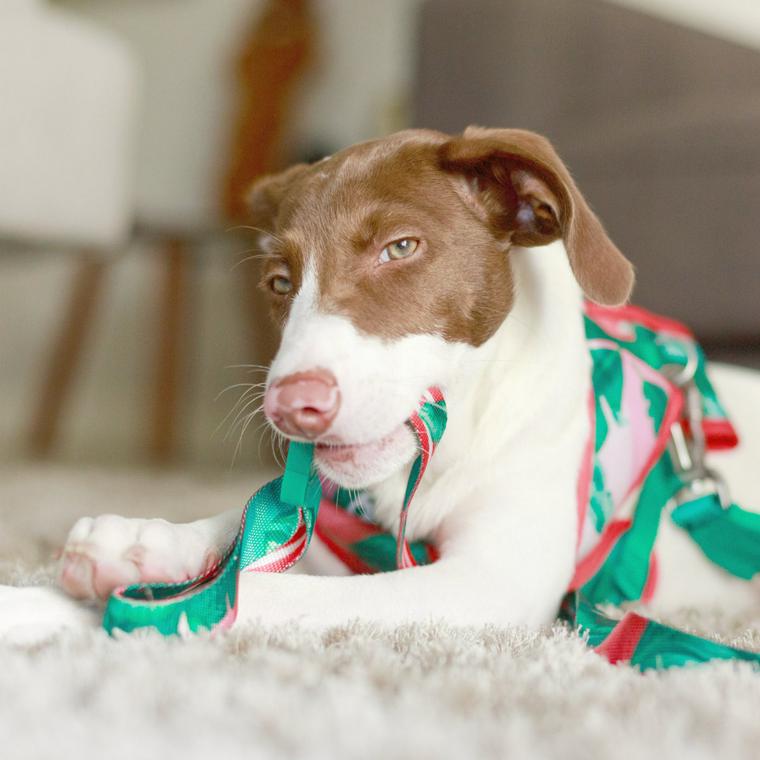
{"points": [[688, 451]]}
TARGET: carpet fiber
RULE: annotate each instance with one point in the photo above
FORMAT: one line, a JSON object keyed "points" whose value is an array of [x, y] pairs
{"points": [[355, 692]]}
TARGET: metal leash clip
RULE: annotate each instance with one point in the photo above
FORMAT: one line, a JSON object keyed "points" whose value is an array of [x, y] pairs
{"points": [[687, 444]]}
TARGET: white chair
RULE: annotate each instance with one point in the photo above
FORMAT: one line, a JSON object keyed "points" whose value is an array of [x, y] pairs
{"points": [[67, 100]]}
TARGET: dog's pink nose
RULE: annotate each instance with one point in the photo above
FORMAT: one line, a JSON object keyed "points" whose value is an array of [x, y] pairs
{"points": [[303, 404]]}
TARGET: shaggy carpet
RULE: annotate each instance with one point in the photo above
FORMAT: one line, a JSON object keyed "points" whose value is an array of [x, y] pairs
{"points": [[355, 692]]}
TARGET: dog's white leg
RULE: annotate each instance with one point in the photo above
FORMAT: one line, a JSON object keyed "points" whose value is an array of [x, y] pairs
{"points": [[107, 551], [505, 562], [104, 552], [508, 556]]}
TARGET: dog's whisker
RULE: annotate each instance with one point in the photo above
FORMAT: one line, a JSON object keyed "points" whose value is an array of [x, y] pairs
{"points": [[273, 446], [252, 258], [248, 421], [242, 416], [251, 367], [253, 228], [236, 406], [279, 454], [247, 397], [237, 385], [244, 422], [275, 439], [262, 435]]}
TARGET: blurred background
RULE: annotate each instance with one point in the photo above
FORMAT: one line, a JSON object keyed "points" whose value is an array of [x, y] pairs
{"points": [[128, 129]]}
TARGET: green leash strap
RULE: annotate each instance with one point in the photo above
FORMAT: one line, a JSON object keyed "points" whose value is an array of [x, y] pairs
{"points": [[275, 531], [644, 643], [729, 537]]}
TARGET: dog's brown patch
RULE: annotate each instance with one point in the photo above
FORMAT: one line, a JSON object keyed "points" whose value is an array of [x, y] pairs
{"points": [[467, 199]]}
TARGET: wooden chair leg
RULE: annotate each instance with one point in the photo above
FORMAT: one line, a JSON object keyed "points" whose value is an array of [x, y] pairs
{"points": [[66, 353], [168, 359]]}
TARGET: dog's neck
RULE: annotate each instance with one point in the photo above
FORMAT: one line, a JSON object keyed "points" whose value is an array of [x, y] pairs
{"points": [[508, 397]]}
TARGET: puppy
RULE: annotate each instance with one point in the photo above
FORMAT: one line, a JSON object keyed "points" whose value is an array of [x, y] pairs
{"points": [[416, 260]]}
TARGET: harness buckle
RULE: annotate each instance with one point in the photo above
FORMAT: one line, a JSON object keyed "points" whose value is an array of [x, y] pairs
{"points": [[687, 444], [708, 484]]}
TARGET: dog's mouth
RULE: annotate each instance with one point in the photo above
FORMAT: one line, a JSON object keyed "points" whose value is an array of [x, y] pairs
{"points": [[361, 465], [338, 453]]}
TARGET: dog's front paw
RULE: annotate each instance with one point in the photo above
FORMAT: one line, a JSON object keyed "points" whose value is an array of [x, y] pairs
{"points": [[104, 553], [34, 615]]}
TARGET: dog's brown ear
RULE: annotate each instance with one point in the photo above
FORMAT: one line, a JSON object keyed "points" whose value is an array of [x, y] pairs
{"points": [[267, 193], [516, 181]]}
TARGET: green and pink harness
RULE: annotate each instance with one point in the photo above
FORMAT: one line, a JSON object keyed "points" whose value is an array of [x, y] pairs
{"points": [[653, 413]]}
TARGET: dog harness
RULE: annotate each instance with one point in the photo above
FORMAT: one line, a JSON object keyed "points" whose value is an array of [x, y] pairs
{"points": [[653, 415]]}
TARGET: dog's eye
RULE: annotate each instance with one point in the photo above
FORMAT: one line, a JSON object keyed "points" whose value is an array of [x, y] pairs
{"points": [[400, 249], [281, 285]]}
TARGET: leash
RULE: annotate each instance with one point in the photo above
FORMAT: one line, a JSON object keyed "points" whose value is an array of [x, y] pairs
{"points": [[279, 519], [275, 530]]}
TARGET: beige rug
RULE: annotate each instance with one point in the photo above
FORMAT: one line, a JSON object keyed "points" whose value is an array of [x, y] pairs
{"points": [[419, 692]]}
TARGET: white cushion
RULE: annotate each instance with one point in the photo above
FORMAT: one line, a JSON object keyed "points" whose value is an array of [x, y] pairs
{"points": [[67, 91]]}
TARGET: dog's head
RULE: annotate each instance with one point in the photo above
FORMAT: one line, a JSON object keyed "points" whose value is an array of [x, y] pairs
{"points": [[386, 261]]}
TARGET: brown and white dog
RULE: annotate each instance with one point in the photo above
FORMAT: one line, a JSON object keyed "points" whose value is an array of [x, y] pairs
{"points": [[416, 260]]}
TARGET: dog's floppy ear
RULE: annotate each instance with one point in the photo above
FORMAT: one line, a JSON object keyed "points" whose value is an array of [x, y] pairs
{"points": [[516, 181], [267, 193]]}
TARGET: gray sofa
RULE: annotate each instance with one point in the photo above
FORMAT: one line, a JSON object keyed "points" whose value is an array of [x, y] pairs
{"points": [[659, 124]]}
